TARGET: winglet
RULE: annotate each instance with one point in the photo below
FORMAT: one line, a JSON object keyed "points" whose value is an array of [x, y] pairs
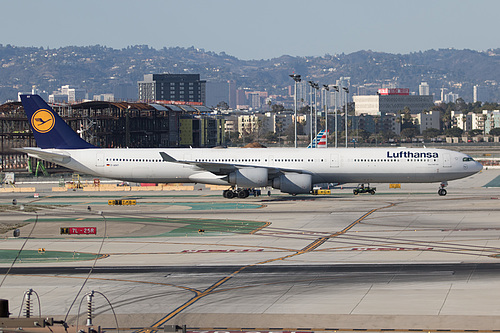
{"points": [[50, 130], [167, 158]]}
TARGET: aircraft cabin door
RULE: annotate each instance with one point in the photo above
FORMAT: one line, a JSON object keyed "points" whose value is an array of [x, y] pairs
{"points": [[99, 160], [446, 161], [334, 160]]}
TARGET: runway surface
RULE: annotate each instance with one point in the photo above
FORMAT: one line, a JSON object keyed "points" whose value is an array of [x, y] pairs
{"points": [[403, 259]]}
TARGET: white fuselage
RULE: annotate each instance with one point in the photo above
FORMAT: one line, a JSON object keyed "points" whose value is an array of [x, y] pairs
{"points": [[332, 165]]}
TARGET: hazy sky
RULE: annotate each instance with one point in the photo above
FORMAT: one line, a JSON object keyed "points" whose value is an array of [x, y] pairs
{"points": [[256, 29]]}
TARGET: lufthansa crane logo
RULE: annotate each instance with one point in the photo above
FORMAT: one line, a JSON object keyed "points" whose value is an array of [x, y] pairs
{"points": [[43, 121]]}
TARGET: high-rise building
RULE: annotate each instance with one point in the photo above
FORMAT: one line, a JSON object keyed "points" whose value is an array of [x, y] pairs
{"points": [[254, 99], [303, 92], [480, 94], [450, 97], [345, 82], [172, 87], [443, 92], [216, 93], [232, 94], [423, 89], [224, 91], [68, 93], [241, 98]]}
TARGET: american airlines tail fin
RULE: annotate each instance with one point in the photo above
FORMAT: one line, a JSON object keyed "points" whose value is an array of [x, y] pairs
{"points": [[319, 141], [49, 129]]}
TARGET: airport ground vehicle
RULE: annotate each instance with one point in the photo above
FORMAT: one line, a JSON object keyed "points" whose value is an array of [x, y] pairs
{"points": [[364, 189]]}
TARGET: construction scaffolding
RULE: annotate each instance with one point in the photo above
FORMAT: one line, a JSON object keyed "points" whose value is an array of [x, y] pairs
{"points": [[108, 125], [103, 124]]}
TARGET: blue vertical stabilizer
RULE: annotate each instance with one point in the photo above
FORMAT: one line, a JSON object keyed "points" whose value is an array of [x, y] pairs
{"points": [[50, 130]]}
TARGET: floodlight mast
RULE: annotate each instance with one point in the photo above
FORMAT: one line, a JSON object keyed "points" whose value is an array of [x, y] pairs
{"points": [[312, 84], [325, 107], [336, 90], [297, 79], [316, 86], [345, 104]]}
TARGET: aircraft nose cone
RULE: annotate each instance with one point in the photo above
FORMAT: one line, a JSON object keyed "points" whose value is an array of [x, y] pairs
{"points": [[478, 167]]}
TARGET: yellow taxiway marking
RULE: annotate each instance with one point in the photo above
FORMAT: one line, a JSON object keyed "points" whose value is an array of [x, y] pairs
{"points": [[311, 247]]}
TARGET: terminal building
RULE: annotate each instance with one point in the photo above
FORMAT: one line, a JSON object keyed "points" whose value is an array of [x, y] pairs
{"points": [[391, 100]]}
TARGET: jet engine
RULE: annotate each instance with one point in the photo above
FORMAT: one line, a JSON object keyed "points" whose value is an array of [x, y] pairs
{"points": [[293, 183], [249, 177]]}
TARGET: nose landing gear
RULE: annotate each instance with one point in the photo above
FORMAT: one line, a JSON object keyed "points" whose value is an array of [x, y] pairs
{"points": [[442, 191]]}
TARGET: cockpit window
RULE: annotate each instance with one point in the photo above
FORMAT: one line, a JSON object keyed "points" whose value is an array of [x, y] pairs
{"points": [[468, 159]]}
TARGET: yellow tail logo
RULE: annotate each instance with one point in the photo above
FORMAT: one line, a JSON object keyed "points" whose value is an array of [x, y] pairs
{"points": [[43, 121]]}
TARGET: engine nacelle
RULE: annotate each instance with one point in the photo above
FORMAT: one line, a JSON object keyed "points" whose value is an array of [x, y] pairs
{"points": [[249, 177], [293, 183]]}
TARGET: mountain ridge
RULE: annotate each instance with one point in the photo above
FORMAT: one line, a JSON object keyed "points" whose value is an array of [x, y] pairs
{"points": [[98, 69]]}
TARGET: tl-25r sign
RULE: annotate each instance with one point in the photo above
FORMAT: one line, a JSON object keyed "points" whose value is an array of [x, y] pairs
{"points": [[79, 231]]}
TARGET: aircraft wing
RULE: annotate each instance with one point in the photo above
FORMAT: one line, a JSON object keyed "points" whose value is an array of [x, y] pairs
{"points": [[218, 168], [56, 157]]}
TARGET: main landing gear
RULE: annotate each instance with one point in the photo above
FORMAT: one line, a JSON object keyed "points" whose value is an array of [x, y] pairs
{"points": [[442, 191], [241, 193]]}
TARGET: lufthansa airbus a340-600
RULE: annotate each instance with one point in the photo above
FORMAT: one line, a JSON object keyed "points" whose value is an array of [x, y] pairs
{"points": [[292, 170]]}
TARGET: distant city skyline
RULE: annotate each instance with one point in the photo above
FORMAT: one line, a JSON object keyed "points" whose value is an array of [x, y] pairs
{"points": [[256, 29]]}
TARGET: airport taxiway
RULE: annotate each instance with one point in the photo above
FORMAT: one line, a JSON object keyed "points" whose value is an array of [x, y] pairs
{"points": [[403, 259]]}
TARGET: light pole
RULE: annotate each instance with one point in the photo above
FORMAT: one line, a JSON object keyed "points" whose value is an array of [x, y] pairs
{"points": [[336, 88], [325, 107], [297, 79], [316, 86], [311, 83], [346, 99]]}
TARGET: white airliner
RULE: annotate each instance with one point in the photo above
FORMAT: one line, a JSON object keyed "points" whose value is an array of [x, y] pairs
{"points": [[292, 170]]}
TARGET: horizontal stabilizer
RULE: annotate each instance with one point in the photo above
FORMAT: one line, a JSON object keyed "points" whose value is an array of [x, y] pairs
{"points": [[56, 157]]}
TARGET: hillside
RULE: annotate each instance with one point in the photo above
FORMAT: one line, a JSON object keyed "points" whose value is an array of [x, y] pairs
{"points": [[99, 69]]}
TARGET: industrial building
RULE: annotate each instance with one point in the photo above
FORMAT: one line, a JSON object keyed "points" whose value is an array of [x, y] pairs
{"points": [[110, 125], [391, 101]]}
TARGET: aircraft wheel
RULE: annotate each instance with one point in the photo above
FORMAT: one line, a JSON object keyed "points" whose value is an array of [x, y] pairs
{"points": [[442, 192], [229, 194], [243, 194]]}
